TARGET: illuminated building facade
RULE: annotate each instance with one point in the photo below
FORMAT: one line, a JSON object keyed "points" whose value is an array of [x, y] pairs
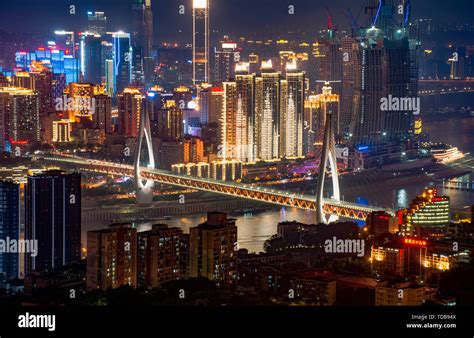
{"points": [[61, 131], [79, 100], [112, 257], [130, 105], [122, 61], [192, 169], [400, 294], [59, 61], [97, 23], [201, 41], [416, 251], [40, 80], [216, 102], [292, 111], [91, 57], [148, 59], [311, 124], [226, 170], [162, 256], [204, 100], [20, 108], [169, 121], [142, 42], [228, 121], [102, 117], [238, 117], [428, 212], [388, 260], [267, 108], [212, 249], [225, 60]]}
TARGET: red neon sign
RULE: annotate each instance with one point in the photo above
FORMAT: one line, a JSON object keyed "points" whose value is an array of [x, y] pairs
{"points": [[18, 143], [415, 242]]}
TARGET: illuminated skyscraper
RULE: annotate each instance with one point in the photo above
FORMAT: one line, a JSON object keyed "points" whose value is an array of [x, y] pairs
{"points": [[169, 121], [122, 61], [215, 105], [138, 41], [267, 107], [228, 121], [204, 98], [91, 58], [201, 38], [109, 77], [102, 117], [130, 105], [225, 59], [238, 118], [386, 65], [40, 81], [148, 59], [20, 109], [292, 110], [97, 23]]}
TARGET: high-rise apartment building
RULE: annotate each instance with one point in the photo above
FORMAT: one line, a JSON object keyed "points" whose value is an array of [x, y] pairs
{"points": [[19, 110], [112, 257], [292, 112], [267, 108], [162, 256], [213, 249]]}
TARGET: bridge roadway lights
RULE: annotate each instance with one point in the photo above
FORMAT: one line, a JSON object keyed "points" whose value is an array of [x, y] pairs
{"points": [[330, 207]]}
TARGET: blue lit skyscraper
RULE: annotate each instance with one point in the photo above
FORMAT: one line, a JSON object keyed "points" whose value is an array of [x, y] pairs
{"points": [[122, 60], [9, 227]]}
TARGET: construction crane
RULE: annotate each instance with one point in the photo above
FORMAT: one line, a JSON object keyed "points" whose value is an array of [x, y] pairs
{"points": [[407, 12], [353, 20]]}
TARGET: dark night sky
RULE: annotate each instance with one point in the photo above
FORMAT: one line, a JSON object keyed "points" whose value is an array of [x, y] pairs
{"points": [[237, 16]]}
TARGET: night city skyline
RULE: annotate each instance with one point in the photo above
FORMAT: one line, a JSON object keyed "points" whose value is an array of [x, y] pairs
{"points": [[269, 160], [310, 14]]}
